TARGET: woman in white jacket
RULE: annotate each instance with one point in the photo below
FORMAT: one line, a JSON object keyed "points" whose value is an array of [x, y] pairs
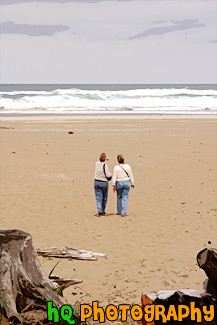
{"points": [[101, 177], [122, 181]]}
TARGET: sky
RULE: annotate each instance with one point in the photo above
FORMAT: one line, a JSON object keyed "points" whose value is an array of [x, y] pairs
{"points": [[108, 41]]}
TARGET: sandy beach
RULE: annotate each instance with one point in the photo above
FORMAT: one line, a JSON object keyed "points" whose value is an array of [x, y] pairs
{"points": [[47, 190]]}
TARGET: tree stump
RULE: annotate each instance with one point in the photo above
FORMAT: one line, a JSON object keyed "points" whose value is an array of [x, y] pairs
{"points": [[207, 260], [23, 283]]}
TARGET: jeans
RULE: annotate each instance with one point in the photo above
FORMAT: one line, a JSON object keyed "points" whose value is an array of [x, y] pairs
{"points": [[123, 190], [101, 193]]}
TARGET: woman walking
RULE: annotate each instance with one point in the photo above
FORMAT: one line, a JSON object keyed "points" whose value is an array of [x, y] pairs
{"points": [[102, 176], [122, 181]]}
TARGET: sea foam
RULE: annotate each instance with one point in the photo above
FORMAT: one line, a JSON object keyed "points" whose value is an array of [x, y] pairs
{"points": [[142, 100]]}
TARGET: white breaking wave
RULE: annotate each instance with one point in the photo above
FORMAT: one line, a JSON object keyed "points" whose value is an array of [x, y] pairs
{"points": [[136, 100]]}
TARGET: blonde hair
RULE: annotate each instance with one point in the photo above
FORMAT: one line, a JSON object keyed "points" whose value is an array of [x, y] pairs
{"points": [[120, 158], [102, 157]]}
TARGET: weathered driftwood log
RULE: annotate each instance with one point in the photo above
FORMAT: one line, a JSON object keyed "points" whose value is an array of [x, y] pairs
{"points": [[23, 283], [207, 260], [178, 296], [67, 252]]}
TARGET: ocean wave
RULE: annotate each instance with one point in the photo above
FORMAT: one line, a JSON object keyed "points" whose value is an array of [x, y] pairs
{"points": [[142, 100]]}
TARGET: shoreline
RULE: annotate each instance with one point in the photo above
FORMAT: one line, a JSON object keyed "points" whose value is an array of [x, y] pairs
{"points": [[96, 116]]}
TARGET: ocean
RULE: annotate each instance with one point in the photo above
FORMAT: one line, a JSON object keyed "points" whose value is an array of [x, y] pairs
{"points": [[108, 99]]}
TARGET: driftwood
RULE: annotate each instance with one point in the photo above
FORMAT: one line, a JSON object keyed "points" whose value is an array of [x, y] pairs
{"points": [[207, 260], [67, 252], [179, 296], [23, 282], [24, 286], [167, 298]]}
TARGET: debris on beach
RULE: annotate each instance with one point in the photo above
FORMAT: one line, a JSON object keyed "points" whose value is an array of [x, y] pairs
{"points": [[206, 260], [25, 288], [67, 252]]}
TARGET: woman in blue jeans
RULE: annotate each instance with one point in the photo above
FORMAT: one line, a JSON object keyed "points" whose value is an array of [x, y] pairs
{"points": [[102, 175], [122, 181]]}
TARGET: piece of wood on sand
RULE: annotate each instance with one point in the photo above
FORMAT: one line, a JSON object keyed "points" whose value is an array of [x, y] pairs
{"points": [[167, 298], [67, 252], [24, 286], [23, 283], [207, 260]]}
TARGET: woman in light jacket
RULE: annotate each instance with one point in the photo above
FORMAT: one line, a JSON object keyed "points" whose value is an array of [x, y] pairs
{"points": [[122, 181], [101, 177]]}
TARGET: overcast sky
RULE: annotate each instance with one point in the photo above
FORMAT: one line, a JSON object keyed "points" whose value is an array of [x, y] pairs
{"points": [[113, 41]]}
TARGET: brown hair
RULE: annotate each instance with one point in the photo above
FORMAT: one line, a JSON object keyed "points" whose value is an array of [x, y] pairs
{"points": [[102, 157], [120, 158]]}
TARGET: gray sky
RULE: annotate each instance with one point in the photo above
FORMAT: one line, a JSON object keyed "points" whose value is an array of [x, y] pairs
{"points": [[113, 41]]}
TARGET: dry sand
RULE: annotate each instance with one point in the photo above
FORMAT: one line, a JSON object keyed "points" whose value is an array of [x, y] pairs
{"points": [[47, 190]]}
